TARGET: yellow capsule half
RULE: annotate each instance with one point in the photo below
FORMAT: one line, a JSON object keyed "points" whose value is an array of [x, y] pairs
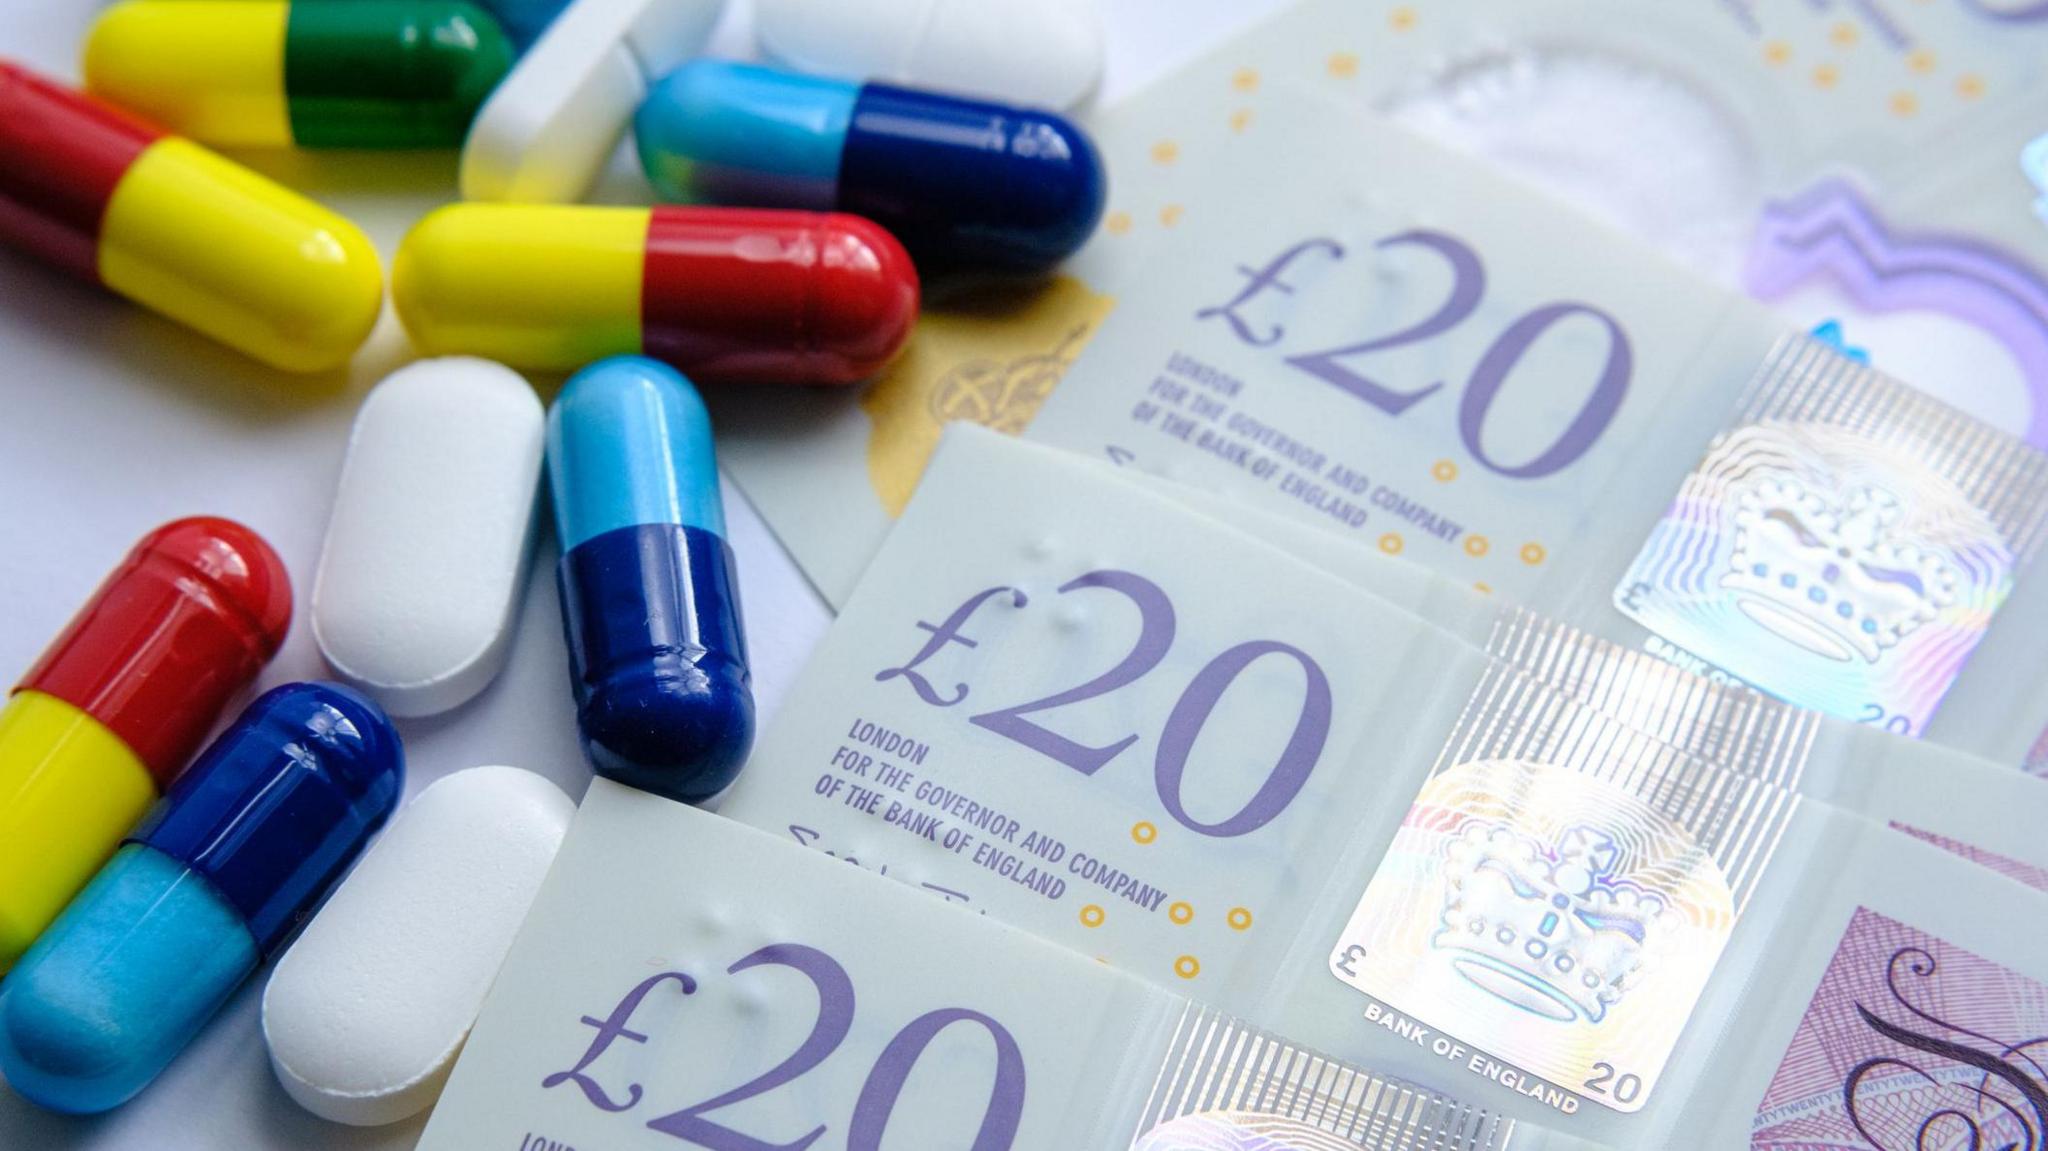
{"points": [[209, 69], [69, 790], [240, 258], [536, 286]]}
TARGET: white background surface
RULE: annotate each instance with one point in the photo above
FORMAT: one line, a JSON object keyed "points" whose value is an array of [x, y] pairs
{"points": [[114, 421]]}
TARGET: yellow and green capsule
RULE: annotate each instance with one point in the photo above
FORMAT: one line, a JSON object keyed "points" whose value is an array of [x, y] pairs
{"points": [[310, 73]]}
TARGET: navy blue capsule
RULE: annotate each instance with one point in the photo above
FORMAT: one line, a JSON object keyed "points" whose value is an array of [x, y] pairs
{"points": [[966, 185], [650, 601], [215, 879]]}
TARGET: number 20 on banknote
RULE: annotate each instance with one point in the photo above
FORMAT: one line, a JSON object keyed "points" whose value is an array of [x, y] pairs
{"points": [[1182, 725], [1337, 366]]}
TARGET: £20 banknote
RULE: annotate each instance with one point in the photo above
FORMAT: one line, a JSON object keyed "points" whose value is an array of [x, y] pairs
{"points": [[687, 982], [1079, 706]]}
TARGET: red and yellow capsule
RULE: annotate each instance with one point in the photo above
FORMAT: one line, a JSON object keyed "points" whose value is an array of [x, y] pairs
{"points": [[179, 230], [120, 702]]}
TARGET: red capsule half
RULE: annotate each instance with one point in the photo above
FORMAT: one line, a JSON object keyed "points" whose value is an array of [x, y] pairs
{"points": [[64, 156], [186, 621]]}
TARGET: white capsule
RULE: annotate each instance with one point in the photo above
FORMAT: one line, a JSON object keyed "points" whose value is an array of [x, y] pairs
{"points": [[548, 129], [427, 550], [1037, 53], [365, 1014]]}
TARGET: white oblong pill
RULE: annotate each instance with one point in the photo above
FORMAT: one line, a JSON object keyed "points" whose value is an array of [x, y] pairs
{"points": [[427, 550], [366, 1012], [548, 129], [1042, 53]]}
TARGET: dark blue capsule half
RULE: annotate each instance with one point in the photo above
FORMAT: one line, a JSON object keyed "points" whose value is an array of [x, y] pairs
{"points": [[278, 807]]}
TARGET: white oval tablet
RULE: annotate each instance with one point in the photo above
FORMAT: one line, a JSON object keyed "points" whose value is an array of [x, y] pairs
{"points": [[1037, 53], [367, 1010], [550, 126], [427, 551]]}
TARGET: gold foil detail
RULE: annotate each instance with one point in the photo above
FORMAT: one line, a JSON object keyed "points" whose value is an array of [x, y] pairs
{"points": [[989, 358]]}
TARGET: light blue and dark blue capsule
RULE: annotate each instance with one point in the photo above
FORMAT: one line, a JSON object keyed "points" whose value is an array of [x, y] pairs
{"points": [[967, 186], [650, 600]]}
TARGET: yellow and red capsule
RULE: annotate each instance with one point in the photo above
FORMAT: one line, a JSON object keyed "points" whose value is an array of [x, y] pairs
{"points": [[179, 230], [726, 295]]}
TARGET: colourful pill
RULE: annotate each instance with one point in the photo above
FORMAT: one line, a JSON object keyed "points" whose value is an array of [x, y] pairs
{"points": [[650, 602], [119, 702], [728, 296], [965, 185], [179, 230], [220, 874], [310, 73]]}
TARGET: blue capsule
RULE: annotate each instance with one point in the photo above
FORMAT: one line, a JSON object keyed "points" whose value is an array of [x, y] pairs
{"points": [[650, 602], [213, 881], [525, 20], [966, 185]]}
